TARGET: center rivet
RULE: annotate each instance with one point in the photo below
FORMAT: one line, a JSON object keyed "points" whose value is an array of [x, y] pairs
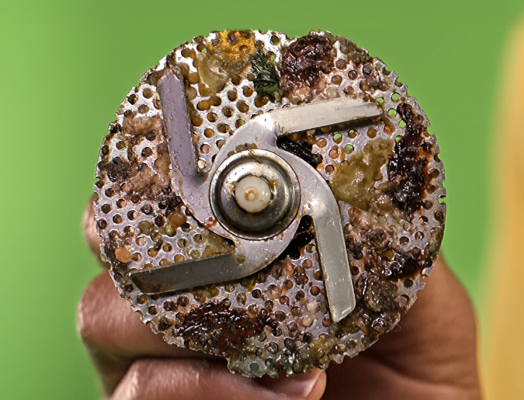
{"points": [[253, 194]]}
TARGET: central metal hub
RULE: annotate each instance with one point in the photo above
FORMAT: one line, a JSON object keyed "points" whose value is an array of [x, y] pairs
{"points": [[255, 194]]}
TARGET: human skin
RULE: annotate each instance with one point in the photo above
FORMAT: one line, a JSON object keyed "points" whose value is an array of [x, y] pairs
{"points": [[431, 354]]}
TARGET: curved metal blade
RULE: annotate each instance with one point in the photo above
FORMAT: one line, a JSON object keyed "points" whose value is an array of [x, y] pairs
{"points": [[320, 203], [322, 113], [184, 275]]}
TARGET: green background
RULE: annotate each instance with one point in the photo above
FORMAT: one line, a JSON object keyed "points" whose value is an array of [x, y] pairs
{"points": [[66, 65]]}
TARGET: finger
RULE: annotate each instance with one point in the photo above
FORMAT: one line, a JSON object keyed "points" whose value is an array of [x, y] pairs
{"points": [[440, 330], [115, 338], [434, 349], [166, 379], [114, 335], [106, 322]]}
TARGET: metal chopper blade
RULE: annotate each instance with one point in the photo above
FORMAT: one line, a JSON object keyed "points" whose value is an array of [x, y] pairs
{"points": [[339, 286]]}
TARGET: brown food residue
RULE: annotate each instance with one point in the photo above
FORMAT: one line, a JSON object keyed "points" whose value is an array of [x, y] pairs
{"points": [[118, 169], [304, 65], [222, 330], [216, 245], [352, 182], [134, 125], [123, 255], [177, 218], [407, 167]]}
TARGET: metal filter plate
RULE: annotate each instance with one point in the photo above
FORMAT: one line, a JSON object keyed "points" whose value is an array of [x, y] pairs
{"points": [[385, 174]]}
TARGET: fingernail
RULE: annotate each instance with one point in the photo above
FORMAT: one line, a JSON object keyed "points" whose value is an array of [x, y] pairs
{"points": [[297, 386]]}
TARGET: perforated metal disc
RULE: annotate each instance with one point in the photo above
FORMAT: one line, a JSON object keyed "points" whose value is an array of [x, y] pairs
{"points": [[385, 174]]}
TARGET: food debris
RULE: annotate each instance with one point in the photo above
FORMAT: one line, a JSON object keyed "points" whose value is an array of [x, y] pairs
{"points": [[266, 80]]}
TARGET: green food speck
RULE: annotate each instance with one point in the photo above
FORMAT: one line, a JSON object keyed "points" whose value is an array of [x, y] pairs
{"points": [[266, 80]]}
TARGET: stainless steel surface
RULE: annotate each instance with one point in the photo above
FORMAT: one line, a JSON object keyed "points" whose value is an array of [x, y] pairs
{"points": [[196, 273], [333, 256], [322, 113], [180, 139]]}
